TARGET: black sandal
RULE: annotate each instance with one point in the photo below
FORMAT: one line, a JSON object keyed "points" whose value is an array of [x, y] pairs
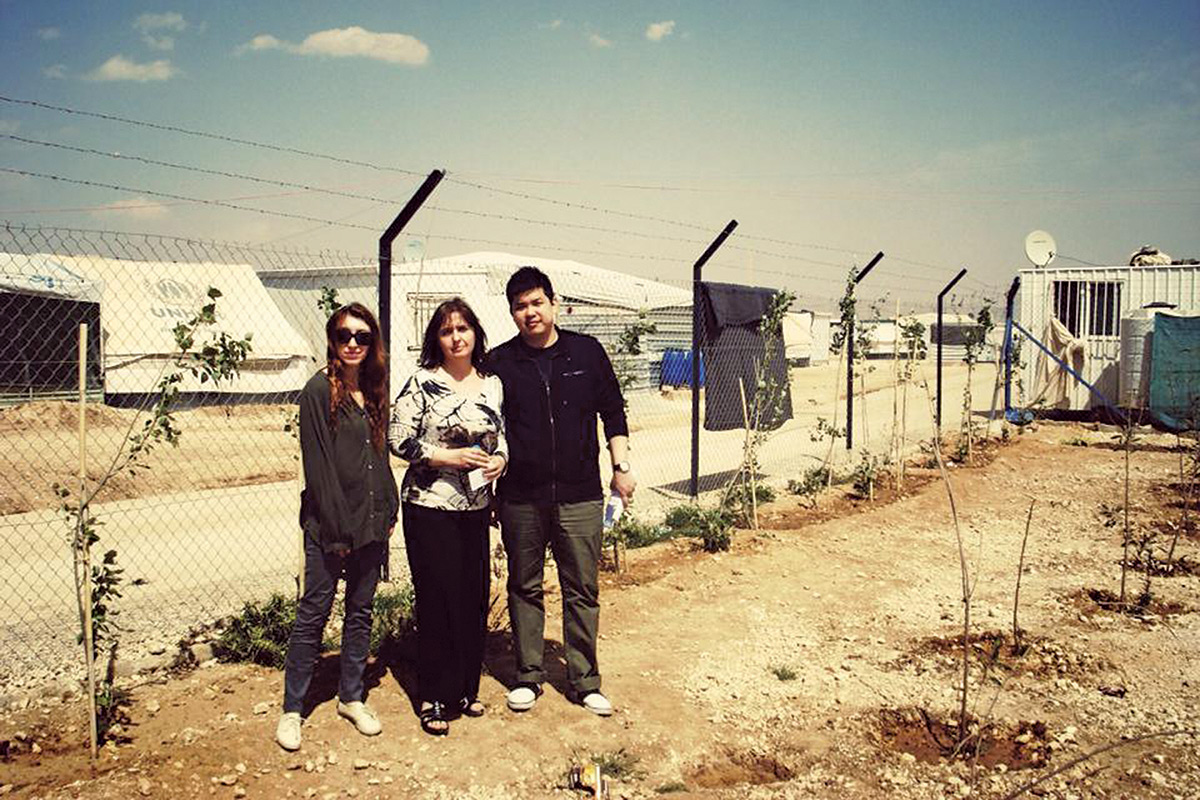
{"points": [[471, 707], [432, 715]]}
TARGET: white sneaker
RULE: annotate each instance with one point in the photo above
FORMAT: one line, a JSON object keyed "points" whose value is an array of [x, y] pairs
{"points": [[523, 697], [287, 732], [362, 716], [597, 704]]}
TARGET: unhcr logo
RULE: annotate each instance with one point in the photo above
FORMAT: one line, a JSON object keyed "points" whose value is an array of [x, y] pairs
{"points": [[174, 292], [176, 299]]}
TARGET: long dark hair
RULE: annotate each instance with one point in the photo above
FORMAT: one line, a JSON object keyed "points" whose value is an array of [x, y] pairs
{"points": [[431, 349], [372, 374]]}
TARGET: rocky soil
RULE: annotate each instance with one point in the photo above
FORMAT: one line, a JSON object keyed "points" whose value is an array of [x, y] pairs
{"points": [[821, 657]]}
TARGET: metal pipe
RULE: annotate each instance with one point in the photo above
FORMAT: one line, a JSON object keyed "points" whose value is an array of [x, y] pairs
{"points": [[850, 357], [697, 268], [385, 252], [1009, 302], [941, 295]]}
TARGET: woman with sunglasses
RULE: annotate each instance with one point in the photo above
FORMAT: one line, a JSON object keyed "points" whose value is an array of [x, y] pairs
{"points": [[347, 511], [447, 424]]}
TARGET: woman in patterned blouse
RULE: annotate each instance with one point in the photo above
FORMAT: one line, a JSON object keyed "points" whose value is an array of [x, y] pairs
{"points": [[447, 424]]}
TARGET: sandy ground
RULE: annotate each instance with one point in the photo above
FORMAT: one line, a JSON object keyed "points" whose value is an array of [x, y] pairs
{"points": [[212, 523], [797, 665]]}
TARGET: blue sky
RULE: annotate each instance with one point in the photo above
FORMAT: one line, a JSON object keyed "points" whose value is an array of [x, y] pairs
{"points": [[940, 133]]}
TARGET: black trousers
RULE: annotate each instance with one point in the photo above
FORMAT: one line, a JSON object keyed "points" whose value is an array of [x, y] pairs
{"points": [[448, 559]]}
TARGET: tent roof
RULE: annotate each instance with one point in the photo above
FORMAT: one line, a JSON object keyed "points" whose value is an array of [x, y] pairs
{"points": [[144, 300], [573, 280], [45, 275]]}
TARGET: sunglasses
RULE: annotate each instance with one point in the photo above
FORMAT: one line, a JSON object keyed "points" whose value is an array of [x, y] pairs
{"points": [[345, 336]]}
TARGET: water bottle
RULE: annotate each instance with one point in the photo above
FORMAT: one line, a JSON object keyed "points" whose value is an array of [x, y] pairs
{"points": [[613, 509]]}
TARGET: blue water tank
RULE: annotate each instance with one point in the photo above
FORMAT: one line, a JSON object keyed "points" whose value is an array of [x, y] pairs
{"points": [[677, 368]]}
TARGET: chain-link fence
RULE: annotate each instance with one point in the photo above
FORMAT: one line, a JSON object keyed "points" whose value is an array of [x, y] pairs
{"points": [[212, 522]]}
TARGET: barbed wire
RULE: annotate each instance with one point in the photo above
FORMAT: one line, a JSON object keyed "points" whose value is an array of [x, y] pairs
{"points": [[459, 181], [207, 135]]}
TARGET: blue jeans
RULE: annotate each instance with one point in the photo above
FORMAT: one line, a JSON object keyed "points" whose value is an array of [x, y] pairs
{"points": [[361, 569]]}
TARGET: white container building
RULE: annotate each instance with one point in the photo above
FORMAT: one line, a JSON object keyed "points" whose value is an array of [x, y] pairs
{"points": [[1094, 304]]}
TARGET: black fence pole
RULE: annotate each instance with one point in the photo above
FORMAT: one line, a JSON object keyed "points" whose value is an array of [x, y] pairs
{"points": [[941, 295], [1008, 333], [850, 357], [385, 252], [696, 328]]}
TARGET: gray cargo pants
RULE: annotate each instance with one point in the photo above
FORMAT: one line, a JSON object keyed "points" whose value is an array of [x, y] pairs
{"points": [[573, 532]]}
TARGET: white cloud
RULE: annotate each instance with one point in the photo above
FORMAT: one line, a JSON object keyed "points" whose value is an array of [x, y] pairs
{"points": [[151, 26], [170, 21], [596, 40], [120, 68], [48, 34], [264, 41], [657, 31], [9, 126], [138, 207], [552, 25], [55, 71], [352, 42]]}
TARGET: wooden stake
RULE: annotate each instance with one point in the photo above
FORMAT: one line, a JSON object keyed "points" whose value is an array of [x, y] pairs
{"points": [[837, 373], [748, 451], [86, 588], [896, 384]]}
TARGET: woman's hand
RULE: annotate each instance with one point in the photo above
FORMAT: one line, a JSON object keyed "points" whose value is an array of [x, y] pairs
{"points": [[465, 458], [494, 468]]}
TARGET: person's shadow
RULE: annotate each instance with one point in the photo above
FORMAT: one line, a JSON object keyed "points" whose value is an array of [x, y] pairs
{"points": [[399, 659]]}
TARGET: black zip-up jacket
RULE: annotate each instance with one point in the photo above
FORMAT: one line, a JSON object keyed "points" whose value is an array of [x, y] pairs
{"points": [[551, 427]]}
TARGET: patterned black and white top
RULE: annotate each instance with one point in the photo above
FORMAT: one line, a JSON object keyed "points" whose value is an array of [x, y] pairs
{"points": [[428, 413]]}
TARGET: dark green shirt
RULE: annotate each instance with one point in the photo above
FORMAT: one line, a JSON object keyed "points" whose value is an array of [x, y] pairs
{"points": [[350, 495]]}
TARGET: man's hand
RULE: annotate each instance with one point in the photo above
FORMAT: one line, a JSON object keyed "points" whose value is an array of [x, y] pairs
{"points": [[624, 483]]}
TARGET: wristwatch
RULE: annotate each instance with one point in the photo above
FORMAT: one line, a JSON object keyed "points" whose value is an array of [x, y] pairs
{"points": [[622, 466]]}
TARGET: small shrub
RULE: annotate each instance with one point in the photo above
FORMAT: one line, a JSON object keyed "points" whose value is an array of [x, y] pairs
{"points": [[111, 704], [867, 474], [635, 533], [259, 634], [683, 519], [713, 526], [810, 484], [738, 505], [394, 617], [784, 672], [670, 788], [619, 764], [1076, 441]]}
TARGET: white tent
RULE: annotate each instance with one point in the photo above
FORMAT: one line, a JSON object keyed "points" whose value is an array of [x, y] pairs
{"points": [[143, 301], [44, 275], [42, 305]]}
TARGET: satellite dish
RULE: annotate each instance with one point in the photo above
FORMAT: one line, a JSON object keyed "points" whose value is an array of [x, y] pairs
{"points": [[1040, 248]]}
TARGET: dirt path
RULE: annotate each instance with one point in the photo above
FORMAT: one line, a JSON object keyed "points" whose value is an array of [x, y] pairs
{"points": [[855, 612]]}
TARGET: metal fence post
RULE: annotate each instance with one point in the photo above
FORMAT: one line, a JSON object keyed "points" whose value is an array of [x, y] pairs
{"points": [[696, 310], [941, 295], [385, 252], [1008, 328], [850, 357]]}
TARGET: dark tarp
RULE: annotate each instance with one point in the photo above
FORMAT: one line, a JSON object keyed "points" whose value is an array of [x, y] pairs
{"points": [[733, 347]]}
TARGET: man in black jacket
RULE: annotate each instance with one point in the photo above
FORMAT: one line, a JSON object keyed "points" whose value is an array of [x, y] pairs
{"points": [[556, 382]]}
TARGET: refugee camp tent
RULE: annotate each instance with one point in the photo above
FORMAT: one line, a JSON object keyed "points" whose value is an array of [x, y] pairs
{"points": [[417, 289], [143, 301], [797, 337], [42, 304]]}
